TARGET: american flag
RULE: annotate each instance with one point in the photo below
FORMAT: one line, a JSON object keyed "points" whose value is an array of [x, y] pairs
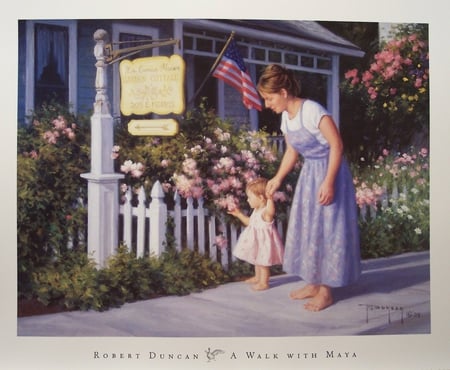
{"points": [[231, 69]]}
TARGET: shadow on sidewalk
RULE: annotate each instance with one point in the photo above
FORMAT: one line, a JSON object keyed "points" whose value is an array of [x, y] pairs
{"points": [[387, 275]]}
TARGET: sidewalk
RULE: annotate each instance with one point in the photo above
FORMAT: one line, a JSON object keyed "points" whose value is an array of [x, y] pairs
{"points": [[392, 297]]}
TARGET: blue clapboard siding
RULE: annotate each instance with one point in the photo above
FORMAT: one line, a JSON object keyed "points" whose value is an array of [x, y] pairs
{"points": [[86, 63]]}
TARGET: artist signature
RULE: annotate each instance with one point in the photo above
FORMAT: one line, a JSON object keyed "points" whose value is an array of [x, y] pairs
{"points": [[391, 310]]}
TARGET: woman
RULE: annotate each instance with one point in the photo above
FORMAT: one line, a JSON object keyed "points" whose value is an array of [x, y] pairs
{"points": [[322, 240]]}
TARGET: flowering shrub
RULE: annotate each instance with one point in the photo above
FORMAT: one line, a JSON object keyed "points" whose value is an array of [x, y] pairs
{"points": [[233, 159], [208, 159], [393, 196], [395, 90], [52, 153]]}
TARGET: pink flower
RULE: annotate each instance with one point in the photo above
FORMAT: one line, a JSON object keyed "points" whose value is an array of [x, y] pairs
{"points": [[126, 166], [423, 152], [367, 76], [69, 133], [221, 242], [421, 181], [50, 137], [59, 123], [280, 196], [351, 73], [166, 186], [190, 167], [137, 169], [196, 192]]}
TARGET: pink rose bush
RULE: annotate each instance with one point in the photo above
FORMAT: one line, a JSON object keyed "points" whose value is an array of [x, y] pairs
{"points": [[397, 79], [389, 98]]}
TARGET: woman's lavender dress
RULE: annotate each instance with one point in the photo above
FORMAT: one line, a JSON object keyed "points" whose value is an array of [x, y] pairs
{"points": [[322, 242]]}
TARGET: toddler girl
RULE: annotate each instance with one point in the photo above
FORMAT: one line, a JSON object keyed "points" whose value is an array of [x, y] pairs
{"points": [[259, 243]]}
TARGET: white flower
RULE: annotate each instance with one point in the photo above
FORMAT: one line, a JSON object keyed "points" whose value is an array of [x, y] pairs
{"points": [[418, 231]]}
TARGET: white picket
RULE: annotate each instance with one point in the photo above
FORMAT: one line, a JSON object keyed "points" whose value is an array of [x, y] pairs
{"points": [[177, 220], [190, 223], [201, 226], [212, 238], [158, 220], [127, 219], [141, 213]]}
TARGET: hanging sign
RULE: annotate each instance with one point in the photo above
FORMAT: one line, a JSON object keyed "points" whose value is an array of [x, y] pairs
{"points": [[152, 85], [153, 127]]}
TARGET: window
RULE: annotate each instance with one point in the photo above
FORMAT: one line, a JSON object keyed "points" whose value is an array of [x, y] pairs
{"points": [[51, 64], [129, 35]]}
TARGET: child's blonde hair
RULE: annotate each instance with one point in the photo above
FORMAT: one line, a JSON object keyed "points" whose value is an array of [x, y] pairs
{"points": [[257, 186]]}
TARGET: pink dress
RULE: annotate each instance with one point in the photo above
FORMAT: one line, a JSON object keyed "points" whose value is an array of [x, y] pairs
{"points": [[260, 243]]}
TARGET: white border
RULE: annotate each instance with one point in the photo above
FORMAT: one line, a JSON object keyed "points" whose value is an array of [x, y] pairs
{"points": [[374, 352]]}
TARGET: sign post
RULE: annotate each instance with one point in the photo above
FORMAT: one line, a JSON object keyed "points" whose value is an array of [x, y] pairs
{"points": [[103, 187]]}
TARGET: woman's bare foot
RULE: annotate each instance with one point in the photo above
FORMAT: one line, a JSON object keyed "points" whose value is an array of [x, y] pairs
{"points": [[260, 286], [252, 280], [308, 291], [321, 300]]}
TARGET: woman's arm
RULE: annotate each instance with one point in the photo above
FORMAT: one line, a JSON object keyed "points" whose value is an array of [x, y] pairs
{"points": [[287, 164], [330, 132]]}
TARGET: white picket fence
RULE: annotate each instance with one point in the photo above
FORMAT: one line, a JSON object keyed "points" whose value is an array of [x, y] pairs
{"points": [[144, 227]]}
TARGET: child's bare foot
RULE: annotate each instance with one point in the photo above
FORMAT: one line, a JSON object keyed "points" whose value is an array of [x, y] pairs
{"points": [[307, 291], [321, 300], [252, 280], [260, 286]]}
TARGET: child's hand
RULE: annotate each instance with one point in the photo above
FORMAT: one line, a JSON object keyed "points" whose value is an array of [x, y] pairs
{"points": [[234, 211]]}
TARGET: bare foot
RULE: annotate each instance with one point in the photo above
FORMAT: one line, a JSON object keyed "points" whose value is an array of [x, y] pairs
{"points": [[260, 286], [321, 300], [252, 280], [308, 291]]}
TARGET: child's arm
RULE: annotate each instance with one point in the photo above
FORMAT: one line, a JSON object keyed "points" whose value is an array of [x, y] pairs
{"points": [[237, 213], [269, 212]]}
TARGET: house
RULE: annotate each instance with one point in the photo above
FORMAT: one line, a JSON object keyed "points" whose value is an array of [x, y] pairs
{"points": [[56, 60]]}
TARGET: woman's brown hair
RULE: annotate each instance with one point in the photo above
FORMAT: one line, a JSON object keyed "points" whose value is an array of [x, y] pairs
{"points": [[275, 78]]}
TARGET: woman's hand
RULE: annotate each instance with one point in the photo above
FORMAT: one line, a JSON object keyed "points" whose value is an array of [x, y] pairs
{"points": [[326, 193], [272, 186]]}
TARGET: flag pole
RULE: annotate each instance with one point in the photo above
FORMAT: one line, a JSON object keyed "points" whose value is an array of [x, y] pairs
{"points": [[216, 62]]}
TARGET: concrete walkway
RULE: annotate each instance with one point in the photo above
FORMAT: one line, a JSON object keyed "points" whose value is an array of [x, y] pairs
{"points": [[392, 297]]}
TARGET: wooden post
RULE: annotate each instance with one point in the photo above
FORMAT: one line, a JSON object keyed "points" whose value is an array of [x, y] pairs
{"points": [[103, 188]]}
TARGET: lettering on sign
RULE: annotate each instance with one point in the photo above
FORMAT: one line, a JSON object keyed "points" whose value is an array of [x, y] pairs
{"points": [[152, 85]]}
